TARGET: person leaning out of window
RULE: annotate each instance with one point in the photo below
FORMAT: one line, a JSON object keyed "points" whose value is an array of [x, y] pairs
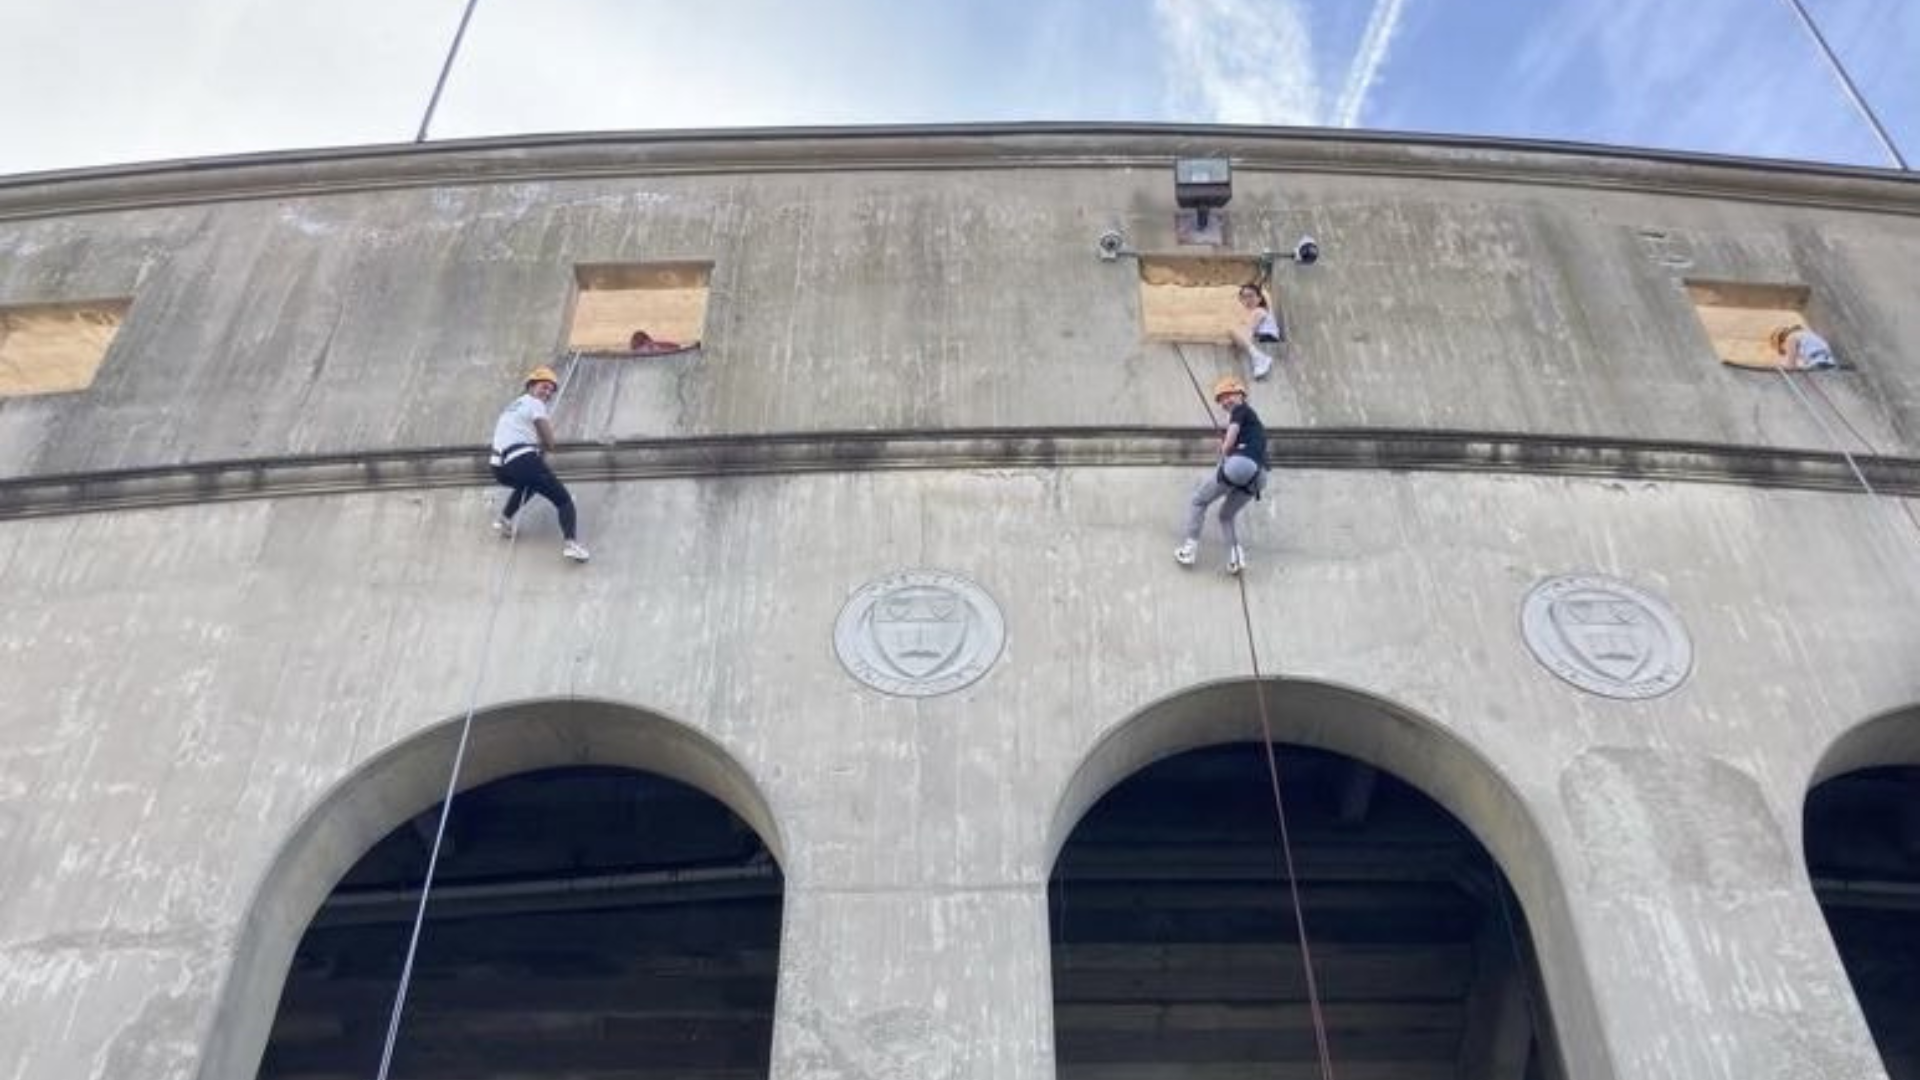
{"points": [[1801, 349]]}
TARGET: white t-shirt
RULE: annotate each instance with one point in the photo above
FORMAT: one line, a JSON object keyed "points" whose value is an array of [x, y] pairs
{"points": [[1810, 350], [516, 424]]}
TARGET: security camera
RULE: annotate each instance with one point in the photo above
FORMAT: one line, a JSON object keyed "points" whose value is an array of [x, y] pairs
{"points": [[1112, 245], [1307, 251]]}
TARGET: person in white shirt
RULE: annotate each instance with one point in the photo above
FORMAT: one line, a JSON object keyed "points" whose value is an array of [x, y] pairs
{"points": [[1258, 327], [521, 439], [1802, 349]]}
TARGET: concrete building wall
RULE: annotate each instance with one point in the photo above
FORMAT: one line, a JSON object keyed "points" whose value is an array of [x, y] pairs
{"points": [[896, 297], [208, 705]]}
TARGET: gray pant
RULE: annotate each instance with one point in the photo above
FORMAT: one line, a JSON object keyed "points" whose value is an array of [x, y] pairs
{"points": [[1235, 499]]}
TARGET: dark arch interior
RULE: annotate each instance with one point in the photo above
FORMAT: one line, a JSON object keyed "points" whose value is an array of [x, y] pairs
{"points": [[1175, 952], [585, 922], [1863, 849]]}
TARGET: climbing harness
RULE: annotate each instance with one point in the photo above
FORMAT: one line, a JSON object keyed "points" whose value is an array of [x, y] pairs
{"points": [[1252, 487], [453, 775], [1322, 1050]]}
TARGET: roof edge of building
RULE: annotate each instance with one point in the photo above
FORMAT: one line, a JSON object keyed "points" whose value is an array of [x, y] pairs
{"points": [[530, 158]]}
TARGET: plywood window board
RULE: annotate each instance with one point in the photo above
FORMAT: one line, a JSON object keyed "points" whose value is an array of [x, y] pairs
{"points": [[56, 348], [1740, 318], [666, 299], [1193, 297]]}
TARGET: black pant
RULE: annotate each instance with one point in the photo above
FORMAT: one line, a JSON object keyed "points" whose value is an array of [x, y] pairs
{"points": [[528, 474]]}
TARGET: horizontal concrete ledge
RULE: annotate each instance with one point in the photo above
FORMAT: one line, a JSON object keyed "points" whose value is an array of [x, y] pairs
{"points": [[532, 158], [1017, 448]]}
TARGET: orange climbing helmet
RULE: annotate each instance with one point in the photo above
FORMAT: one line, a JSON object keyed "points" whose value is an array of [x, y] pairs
{"points": [[1779, 337], [544, 374], [1229, 385]]}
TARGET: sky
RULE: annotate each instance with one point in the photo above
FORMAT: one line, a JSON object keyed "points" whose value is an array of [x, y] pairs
{"points": [[97, 82]]}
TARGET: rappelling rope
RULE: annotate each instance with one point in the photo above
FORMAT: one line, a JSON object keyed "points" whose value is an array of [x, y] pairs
{"points": [[1286, 840], [1273, 781], [1821, 392], [459, 759], [1834, 441], [1198, 392]]}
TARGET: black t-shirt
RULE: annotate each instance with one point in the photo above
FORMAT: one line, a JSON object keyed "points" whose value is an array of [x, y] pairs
{"points": [[1253, 434]]}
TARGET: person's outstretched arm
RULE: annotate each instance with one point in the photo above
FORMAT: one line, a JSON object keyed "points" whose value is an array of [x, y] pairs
{"points": [[1229, 439]]}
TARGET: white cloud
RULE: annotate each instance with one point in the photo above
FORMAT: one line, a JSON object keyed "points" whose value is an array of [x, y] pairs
{"points": [[197, 77], [1238, 61], [1683, 76], [1365, 69], [615, 65], [92, 82]]}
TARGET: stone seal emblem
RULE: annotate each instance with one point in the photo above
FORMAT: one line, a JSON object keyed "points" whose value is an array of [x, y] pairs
{"points": [[919, 633], [1606, 637]]}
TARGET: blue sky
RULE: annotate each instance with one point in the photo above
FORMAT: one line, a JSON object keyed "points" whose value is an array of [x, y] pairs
{"points": [[91, 82]]}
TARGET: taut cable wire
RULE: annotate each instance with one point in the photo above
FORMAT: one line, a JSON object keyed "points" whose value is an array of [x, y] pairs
{"points": [[446, 68], [453, 774], [1854, 95]]}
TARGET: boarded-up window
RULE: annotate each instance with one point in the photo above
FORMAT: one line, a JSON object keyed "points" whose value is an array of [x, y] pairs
{"points": [[1194, 297], [1740, 318], [54, 348], [667, 300]]}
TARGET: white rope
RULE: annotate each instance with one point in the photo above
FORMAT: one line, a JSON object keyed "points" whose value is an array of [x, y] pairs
{"points": [[1834, 441], [453, 775]]}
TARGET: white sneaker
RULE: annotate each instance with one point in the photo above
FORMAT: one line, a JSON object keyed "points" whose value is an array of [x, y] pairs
{"points": [[1262, 364], [572, 550], [1236, 559], [503, 528], [1187, 552]]}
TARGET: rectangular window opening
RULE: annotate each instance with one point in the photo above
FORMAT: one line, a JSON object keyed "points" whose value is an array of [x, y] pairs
{"points": [[1195, 298], [1741, 317], [617, 303], [56, 348]]}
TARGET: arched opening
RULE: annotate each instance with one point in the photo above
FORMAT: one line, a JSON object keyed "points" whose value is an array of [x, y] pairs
{"points": [[607, 904], [1175, 948], [1861, 832], [584, 921]]}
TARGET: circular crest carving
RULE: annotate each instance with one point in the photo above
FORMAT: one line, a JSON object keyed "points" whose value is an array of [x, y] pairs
{"points": [[1606, 637], [919, 633]]}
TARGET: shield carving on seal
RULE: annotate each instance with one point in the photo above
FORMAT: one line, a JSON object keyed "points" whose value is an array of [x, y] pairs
{"points": [[1614, 638], [918, 629], [919, 633], [1606, 636]]}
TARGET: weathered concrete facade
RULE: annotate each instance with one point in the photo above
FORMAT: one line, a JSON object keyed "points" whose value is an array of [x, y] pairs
{"points": [[236, 653]]}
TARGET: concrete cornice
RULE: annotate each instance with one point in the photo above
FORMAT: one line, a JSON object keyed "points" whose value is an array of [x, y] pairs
{"points": [[746, 455], [1291, 150]]}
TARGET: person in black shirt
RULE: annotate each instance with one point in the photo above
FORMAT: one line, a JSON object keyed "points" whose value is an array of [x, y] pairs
{"points": [[1237, 480]]}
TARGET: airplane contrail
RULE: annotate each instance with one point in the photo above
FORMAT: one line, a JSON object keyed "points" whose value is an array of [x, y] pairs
{"points": [[1367, 60]]}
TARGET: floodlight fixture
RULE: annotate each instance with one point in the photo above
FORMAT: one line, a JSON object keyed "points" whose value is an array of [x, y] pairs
{"points": [[1202, 185]]}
